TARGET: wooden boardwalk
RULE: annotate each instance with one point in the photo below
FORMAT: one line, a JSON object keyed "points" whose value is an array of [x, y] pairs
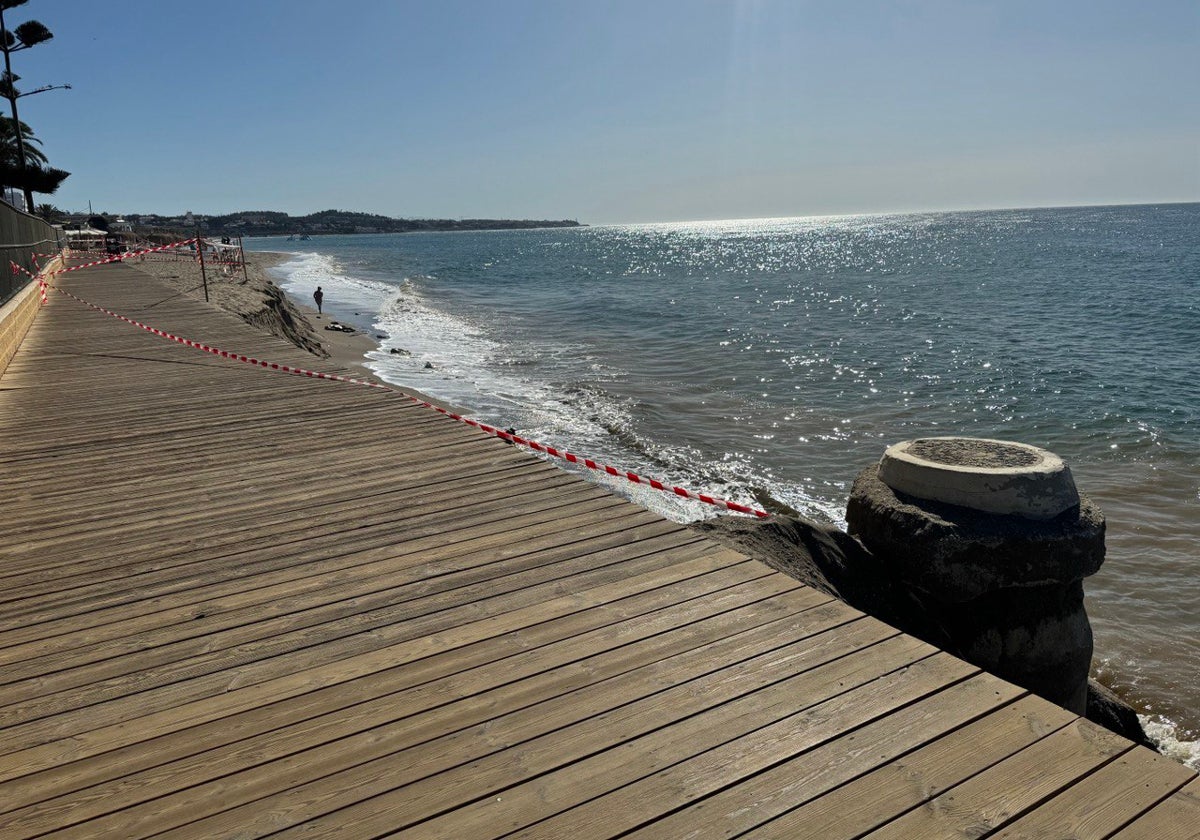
{"points": [[239, 603]]}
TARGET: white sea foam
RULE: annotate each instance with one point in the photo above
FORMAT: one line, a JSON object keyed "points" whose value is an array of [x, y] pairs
{"points": [[344, 293], [504, 384], [485, 377], [1165, 734], [456, 360]]}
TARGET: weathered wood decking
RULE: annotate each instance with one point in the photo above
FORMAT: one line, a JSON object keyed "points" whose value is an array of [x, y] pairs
{"points": [[235, 602]]}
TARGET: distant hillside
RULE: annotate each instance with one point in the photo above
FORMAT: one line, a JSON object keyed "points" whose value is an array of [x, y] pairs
{"points": [[272, 223]]}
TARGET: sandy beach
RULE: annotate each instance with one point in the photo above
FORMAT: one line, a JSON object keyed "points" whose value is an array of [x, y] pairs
{"points": [[255, 298]]}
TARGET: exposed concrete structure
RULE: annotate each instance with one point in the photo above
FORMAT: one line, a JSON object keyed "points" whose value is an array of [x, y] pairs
{"points": [[830, 560], [995, 476], [1005, 586]]}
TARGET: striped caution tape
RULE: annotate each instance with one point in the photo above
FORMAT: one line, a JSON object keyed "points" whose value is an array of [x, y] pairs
{"points": [[198, 345], [510, 437], [125, 256], [38, 277], [38, 257]]}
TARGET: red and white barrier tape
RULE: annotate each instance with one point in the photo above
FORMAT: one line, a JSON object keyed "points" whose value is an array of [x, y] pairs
{"points": [[570, 457], [38, 277], [215, 351], [125, 256]]}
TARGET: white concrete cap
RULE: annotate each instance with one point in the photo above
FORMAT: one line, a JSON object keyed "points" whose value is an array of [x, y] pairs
{"points": [[994, 476]]}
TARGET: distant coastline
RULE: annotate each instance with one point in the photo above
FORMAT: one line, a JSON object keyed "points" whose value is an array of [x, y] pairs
{"points": [[335, 222]]}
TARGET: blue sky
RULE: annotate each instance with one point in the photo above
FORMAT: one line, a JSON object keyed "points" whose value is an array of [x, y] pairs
{"points": [[655, 110]]}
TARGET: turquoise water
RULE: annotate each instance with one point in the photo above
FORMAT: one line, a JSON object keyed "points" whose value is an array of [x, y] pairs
{"points": [[771, 360]]}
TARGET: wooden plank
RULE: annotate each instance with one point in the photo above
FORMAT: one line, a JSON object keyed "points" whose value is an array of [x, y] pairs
{"points": [[1098, 805], [371, 729], [212, 447], [185, 606], [222, 472], [492, 662], [317, 416], [797, 700], [450, 772], [1006, 790], [339, 522], [812, 777], [433, 505], [1175, 818], [217, 471], [239, 697], [118, 535], [530, 495], [277, 563], [295, 654], [344, 594], [900, 784], [357, 612], [814, 734], [231, 592], [25, 578]]}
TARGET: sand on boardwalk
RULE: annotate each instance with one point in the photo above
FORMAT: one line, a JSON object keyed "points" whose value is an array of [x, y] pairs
{"points": [[256, 299]]}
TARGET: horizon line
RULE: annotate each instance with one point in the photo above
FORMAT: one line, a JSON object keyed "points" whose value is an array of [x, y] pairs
{"points": [[715, 220]]}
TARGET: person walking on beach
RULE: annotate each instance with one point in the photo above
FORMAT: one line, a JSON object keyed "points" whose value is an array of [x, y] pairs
{"points": [[318, 296]]}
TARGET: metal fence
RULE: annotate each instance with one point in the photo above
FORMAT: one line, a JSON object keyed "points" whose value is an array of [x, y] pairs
{"points": [[22, 236]]}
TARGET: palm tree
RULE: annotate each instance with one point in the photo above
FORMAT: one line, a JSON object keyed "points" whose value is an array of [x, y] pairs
{"points": [[9, 150], [35, 175]]}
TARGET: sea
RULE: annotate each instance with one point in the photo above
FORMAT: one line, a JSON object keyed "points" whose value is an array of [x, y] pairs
{"points": [[768, 361]]}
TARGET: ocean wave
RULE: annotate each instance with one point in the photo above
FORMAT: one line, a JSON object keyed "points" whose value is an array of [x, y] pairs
{"points": [[450, 356], [509, 382], [475, 371], [354, 299], [1165, 735]]}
